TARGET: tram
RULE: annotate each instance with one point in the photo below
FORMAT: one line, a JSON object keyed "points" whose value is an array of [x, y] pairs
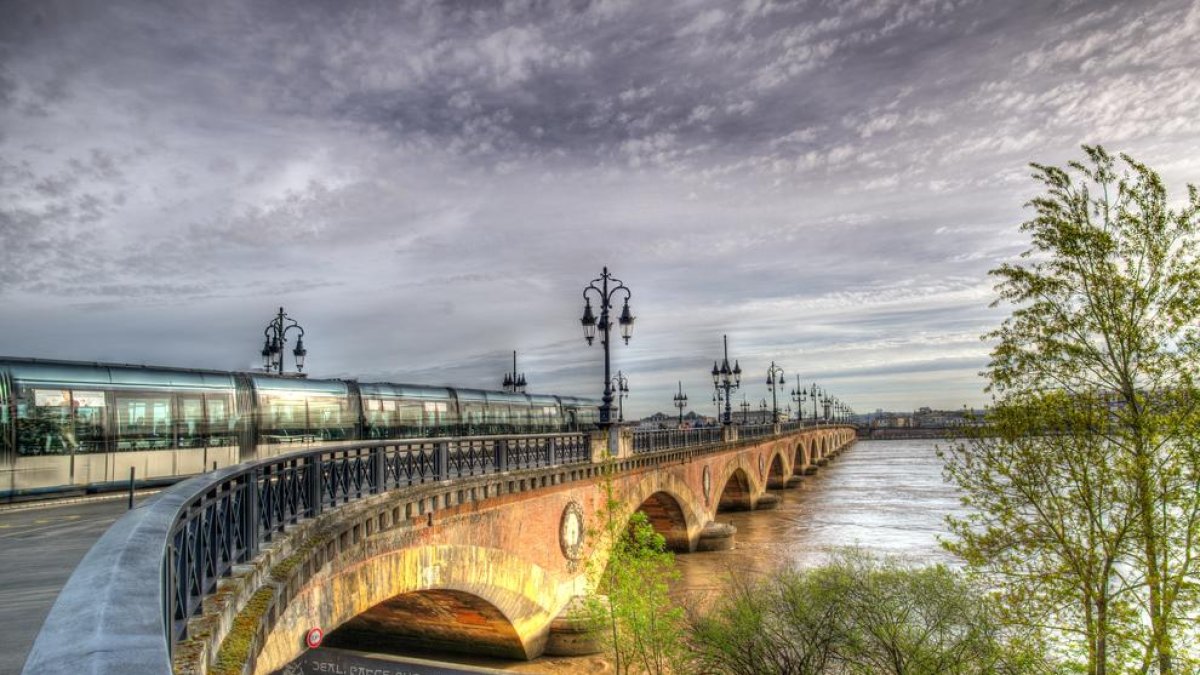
{"points": [[69, 426]]}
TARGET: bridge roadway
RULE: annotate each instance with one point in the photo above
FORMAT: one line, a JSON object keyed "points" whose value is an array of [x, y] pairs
{"points": [[486, 535], [40, 544]]}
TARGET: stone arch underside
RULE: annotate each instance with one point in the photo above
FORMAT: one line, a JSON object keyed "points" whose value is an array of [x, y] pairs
{"points": [[667, 518], [672, 494], [472, 578], [802, 458], [778, 474], [736, 495], [433, 620]]}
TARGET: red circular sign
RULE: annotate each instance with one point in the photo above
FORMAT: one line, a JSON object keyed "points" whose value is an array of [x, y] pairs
{"points": [[313, 638]]}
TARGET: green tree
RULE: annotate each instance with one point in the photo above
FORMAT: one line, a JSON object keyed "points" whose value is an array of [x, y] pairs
{"points": [[1049, 520], [788, 624], [858, 614], [640, 626], [1105, 306]]}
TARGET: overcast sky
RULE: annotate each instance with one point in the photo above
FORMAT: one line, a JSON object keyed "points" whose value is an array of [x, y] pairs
{"points": [[427, 187]]}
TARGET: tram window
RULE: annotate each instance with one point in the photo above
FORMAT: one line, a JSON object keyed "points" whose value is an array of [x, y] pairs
{"points": [[89, 420], [45, 427], [473, 417], [373, 411], [327, 417], [191, 421], [432, 418], [284, 417], [221, 422], [143, 421]]}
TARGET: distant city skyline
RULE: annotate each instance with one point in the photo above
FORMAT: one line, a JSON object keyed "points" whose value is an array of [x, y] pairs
{"points": [[426, 187]]}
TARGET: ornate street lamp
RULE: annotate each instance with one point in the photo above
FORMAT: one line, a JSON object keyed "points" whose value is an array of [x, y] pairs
{"points": [[799, 396], [825, 402], [727, 380], [620, 384], [604, 297], [745, 410], [813, 394], [762, 410], [774, 379], [275, 337], [681, 403], [514, 383]]}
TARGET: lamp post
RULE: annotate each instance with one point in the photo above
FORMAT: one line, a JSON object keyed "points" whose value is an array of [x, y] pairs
{"points": [[774, 373], [798, 395], [762, 410], [745, 410], [825, 401], [620, 384], [813, 394], [514, 383], [275, 335], [727, 379], [681, 403], [604, 295]]}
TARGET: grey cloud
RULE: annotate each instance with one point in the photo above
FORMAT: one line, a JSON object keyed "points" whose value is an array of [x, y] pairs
{"points": [[431, 184]]}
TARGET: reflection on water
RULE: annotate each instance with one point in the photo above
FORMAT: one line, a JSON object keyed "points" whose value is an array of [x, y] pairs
{"points": [[887, 497]]}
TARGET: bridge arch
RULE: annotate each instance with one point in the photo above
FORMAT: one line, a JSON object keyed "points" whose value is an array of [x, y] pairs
{"points": [[779, 471], [432, 620], [670, 504], [738, 486], [502, 588], [801, 457]]}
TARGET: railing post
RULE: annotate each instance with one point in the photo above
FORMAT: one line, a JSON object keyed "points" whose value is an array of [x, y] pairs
{"points": [[501, 451], [377, 472], [441, 460], [315, 484], [249, 522], [552, 451]]}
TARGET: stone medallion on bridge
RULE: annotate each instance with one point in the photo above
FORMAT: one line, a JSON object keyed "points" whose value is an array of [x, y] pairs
{"points": [[570, 533], [762, 469], [706, 481]]}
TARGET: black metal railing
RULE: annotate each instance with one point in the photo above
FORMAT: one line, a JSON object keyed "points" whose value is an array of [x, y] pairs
{"points": [[653, 440], [227, 524], [755, 430]]}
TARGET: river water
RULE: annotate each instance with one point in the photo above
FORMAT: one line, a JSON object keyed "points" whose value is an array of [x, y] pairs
{"points": [[886, 497]]}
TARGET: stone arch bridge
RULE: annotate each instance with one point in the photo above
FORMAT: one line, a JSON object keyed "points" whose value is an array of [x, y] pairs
{"points": [[438, 543]]}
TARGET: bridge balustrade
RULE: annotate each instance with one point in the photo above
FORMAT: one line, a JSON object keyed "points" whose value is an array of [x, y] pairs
{"points": [[227, 524], [654, 440], [755, 430]]}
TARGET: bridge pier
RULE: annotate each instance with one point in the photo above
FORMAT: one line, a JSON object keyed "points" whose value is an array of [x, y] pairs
{"points": [[767, 501], [716, 537], [570, 633], [782, 482]]}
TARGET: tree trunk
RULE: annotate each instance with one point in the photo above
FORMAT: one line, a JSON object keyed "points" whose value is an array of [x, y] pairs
{"points": [[1160, 639]]}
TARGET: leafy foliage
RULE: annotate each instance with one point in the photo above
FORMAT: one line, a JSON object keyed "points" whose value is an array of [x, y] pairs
{"points": [[640, 626], [1087, 494], [856, 615]]}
